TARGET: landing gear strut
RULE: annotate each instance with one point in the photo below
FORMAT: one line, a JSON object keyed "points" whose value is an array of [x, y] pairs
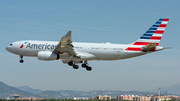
{"points": [[85, 65], [21, 61]]}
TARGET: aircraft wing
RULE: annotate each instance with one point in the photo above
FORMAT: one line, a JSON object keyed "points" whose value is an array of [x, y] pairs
{"points": [[65, 45], [149, 47]]}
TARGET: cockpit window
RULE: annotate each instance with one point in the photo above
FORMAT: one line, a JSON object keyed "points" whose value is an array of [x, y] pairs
{"points": [[10, 44]]}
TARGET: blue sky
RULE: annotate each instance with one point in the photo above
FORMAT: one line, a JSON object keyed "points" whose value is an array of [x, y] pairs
{"points": [[116, 21]]}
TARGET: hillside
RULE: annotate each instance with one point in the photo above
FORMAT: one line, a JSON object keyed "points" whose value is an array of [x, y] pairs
{"points": [[28, 89], [175, 89], [8, 91], [90, 94]]}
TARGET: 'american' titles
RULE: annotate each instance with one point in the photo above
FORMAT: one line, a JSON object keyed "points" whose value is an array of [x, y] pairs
{"points": [[41, 46]]}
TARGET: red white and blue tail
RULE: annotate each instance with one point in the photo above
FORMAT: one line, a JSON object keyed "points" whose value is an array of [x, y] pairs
{"points": [[153, 35]]}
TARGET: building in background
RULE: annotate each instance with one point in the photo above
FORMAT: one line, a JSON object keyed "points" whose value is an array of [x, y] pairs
{"points": [[80, 98], [146, 98], [160, 98], [105, 97], [177, 98], [127, 97], [30, 99]]}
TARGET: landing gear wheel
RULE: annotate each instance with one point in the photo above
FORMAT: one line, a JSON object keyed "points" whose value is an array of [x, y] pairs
{"points": [[75, 66], [88, 68], [70, 63], [21, 61], [86, 65]]}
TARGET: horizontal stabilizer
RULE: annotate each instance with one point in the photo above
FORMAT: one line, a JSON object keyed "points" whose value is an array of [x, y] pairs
{"points": [[149, 47], [167, 47]]}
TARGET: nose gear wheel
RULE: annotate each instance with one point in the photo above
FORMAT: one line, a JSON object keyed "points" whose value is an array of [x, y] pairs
{"points": [[21, 61]]}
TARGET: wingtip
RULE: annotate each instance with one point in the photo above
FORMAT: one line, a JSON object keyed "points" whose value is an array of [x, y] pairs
{"points": [[68, 33]]}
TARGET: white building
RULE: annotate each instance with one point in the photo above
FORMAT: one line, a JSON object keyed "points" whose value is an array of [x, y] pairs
{"points": [[80, 98]]}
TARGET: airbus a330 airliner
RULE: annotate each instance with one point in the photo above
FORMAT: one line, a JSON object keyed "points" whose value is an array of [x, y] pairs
{"points": [[72, 53]]}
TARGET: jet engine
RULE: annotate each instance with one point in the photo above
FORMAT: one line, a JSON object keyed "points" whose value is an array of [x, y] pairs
{"points": [[47, 55]]}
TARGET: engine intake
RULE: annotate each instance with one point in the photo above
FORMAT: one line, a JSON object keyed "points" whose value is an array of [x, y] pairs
{"points": [[47, 55]]}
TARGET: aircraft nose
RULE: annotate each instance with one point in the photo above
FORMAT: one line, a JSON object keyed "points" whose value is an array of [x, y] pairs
{"points": [[10, 49], [7, 48]]}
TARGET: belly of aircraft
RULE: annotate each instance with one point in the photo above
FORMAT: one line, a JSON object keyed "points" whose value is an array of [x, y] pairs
{"points": [[107, 56]]}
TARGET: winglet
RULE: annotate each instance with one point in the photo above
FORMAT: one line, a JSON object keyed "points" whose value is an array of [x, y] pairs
{"points": [[63, 43], [68, 34]]}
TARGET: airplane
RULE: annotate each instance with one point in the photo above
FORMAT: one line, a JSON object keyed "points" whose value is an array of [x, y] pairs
{"points": [[72, 53]]}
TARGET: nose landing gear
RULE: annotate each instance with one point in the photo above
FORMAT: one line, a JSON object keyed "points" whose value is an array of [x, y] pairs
{"points": [[21, 61]]}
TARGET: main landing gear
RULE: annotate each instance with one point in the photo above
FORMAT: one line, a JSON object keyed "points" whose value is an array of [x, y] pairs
{"points": [[84, 65], [71, 63], [21, 61]]}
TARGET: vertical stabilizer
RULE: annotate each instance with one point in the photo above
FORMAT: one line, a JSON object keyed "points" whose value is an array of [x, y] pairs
{"points": [[152, 35]]}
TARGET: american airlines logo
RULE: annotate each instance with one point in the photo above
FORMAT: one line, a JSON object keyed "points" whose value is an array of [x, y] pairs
{"points": [[23, 44], [41, 46]]}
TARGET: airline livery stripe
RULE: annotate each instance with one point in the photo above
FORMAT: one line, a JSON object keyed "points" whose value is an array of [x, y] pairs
{"points": [[162, 25], [147, 40], [141, 43], [161, 19], [147, 34], [155, 26], [158, 22], [156, 38], [21, 46], [150, 31], [157, 35], [166, 20], [145, 37], [152, 28], [144, 43], [159, 31], [133, 49], [137, 46]]}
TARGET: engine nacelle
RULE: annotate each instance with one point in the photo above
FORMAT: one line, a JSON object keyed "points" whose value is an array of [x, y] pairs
{"points": [[47, 55]]}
